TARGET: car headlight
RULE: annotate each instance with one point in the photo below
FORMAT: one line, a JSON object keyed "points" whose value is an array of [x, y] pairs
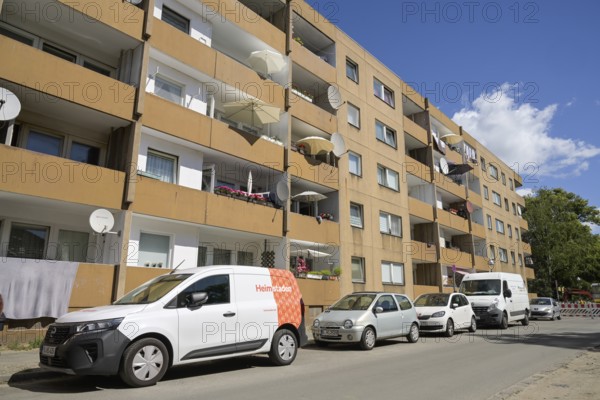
{"points": [[438, 314], [494, 305], [94, 326], [348, 324], [316, 323]]}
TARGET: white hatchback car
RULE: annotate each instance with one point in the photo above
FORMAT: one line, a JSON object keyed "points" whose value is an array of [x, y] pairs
{"points": [[445, 312]]}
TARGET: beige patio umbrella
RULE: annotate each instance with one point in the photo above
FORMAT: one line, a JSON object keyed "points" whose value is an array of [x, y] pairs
{"points": [[253, 112], [316, 145], [266, 62], [451, 138], [309, 196]]}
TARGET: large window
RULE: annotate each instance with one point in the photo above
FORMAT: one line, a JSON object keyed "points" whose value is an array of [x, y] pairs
{"points": [[353, 115], [161, 165], [493, 171], [470, 152], [221, 257], [503, 255], [383, 92], [385, 134], [358, 270], [355, 163], [168, 89], [352, 70], [58, 52], [499, 226], [176, 20], [390, 224], [356, 215], [497, 198], [392, 273], [154, 250], [245, 258], [388, 178], [28, 241], [72, 245], [44, 143], [85, 153]]}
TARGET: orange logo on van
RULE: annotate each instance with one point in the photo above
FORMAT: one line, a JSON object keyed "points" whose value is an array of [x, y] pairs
{"points": [[288, 302]]}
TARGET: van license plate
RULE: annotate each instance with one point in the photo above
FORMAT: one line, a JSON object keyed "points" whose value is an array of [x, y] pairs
{"points": [[49, 351]]}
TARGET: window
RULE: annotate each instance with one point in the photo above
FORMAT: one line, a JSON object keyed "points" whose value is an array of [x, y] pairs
{"points": [[44, 143], [85, 153], [503, 255], [494, 172], [392, 273], [201, 262], [175, 20], [489, 221], [503, 179], [55, 51], [509, 229], [483, 165], [486, 193], [72, 246], [388, 178], [358, 270], [96, 68], [506, 206], [245, 258], [499, 226], [28, 241], [217, 287], [352, 70], [519, 210], [383, 92], [162, 165], [520, 260], [512, 257], [497, 198], [390, 224], [154, 250], [403, 302], [516, 233], [356, 215], [221, 257], [13, 34], [511, 185], [514, 208], [492, 252], [385, 134], [469, 152], [355, 163], [168, 90], [353, 115]]}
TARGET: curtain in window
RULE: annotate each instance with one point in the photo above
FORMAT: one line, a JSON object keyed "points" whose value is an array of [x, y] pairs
{"points": [[162, 167], [154, 250], [354, 163], [392, 179], [201, 262], [383, 223], [396, 227], [355, 216], [27, 241], [357, 270], [386, 273], [398, 273], [221, 257], [245, 258], [72, 246], [381, 176], [353, 115], [380, 131], [388, 96]]}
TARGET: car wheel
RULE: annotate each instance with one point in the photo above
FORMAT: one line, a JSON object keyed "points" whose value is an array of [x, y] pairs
{"points": [[449, 328], [284, 347], [504, 321], [413, 334], [367, 341], [321, 343], [525, 321], [553, 317], [559, 317], [144, 363], [473, 326]]}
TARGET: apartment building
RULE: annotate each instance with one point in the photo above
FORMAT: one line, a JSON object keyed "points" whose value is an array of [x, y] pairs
{"points": [[249, 132]]}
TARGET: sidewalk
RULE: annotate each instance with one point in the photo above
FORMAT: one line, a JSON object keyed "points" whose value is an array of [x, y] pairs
{"points": [[18, 366]]}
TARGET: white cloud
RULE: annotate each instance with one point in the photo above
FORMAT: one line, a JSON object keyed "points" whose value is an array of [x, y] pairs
{"points": [[520, 135], [525, 192], [571, 102]]}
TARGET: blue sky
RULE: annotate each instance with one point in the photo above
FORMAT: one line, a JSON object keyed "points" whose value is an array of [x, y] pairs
{"points": [[538, 62]]}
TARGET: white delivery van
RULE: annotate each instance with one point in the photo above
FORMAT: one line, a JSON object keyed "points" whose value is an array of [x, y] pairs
{"points": [[497, 298], [186, 316]]}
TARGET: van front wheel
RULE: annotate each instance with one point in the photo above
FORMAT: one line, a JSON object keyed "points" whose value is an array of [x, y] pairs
{"points": [[525, 321], [144, 363], [284, 347], [504, 321]]}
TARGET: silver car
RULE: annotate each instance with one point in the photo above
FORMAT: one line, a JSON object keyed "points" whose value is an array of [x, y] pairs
{"points": [[366, 317], [545, 307]]}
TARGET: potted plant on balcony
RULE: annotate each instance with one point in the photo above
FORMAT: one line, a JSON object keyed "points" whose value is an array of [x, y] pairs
{"points": [[299, 40], [326, 216]]}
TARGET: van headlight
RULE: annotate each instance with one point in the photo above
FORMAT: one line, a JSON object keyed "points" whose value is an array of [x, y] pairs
{"points": [[494, 305], [348, 324], [438, 314], [316, 323], [94, 326]]}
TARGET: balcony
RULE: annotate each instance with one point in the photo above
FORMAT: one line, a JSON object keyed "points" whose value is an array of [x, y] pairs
{"points": [[523, 224], [453, 221], [312, 170], [307, 228], [449, 185], [420, 209], [422, 252], [313, 39], [313, 115], [478, 230], [529, 273], [93, 286], [319, 293], [475, 198], [415, 131], [526, 248], [416, 168], [481, 264], [311, 61], [456, 257]]}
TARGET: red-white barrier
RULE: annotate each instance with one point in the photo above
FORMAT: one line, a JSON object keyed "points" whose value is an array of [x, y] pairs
{"points": [[589, 310]]}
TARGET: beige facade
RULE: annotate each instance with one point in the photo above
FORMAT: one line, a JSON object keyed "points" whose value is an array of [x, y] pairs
{"points": [[138, 121]]}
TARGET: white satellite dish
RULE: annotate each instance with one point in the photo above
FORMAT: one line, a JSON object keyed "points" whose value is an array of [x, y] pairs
{"points": [[136, 2], [102, 221], [10, 106], [335, 97], [339, 144], [444, 166], [282, 191]]}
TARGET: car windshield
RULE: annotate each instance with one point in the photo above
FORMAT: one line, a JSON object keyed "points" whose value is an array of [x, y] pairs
{"points": [[432, 300], [153, 290], [541, 302], [484, 287], [354, 302]]}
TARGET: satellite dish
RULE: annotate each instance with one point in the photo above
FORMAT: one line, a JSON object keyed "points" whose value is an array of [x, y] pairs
{"points": [[335, 97], [10, 106], [339, 145], [282, 191], [469, 207], [444, 166], [102, 221], [136, 2]]}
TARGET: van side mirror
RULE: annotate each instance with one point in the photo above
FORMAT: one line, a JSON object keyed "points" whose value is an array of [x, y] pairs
{"points": [[196, 299], [508, 293]]}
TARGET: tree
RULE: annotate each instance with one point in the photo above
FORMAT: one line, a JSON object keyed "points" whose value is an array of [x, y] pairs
{"points": [[563, 245]]}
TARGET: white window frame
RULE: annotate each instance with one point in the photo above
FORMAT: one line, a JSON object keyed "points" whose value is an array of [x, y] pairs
{"points": [[169, 251], [353, 221], [379, 89], [177, 15], [499, 226], [392, 267], [359, 164], [386, 175], [172, 82], [502, 255], [497, 199], [389, 134], [512, 257], [493, 171], [357, 111], [354, 67], [161, 154], [361, 265], [489, 222], [388, 217], [486, 192]]}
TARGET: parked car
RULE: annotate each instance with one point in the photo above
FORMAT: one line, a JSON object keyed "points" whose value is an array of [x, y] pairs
{"points": [[192, 315], [444, 312], [545, 307], [365, 317]]}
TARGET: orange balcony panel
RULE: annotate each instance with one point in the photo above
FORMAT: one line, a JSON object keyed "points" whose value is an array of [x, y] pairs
{"points": [[478, 230], [523, 224], [529, 273], [311, 62], [415, 130], [424, 289], [246, 146], [417, 168], [526, 248], [475, 198], [456, 257], [136, 276], [176, 120], [319, 293], [306, 168], [35, 174], [420, 209], [56, 77], [122, 16], [481, 264], [453, 221], [93, 286], [313, 115], [453, 157], [303, 227], [420, 252], [448, 185]]}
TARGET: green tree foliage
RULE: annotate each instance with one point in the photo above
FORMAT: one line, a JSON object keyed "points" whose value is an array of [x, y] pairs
{"points": [[563, 245]]}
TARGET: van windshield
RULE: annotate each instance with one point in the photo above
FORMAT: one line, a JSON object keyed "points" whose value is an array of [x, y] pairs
{"points": [[153, 290], [484, 287]]}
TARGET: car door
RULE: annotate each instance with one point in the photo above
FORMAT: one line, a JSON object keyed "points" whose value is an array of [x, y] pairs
{"points": [[409, 314], [389, 321], [208, 330], [463, 311]]}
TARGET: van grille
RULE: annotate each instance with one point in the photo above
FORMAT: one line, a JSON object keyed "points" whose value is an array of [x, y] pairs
{"points": [[480, 310], [57, 334]]}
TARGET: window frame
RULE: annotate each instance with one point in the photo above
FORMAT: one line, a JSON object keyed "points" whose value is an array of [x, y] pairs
{"points": [[361, 265], [392, 264], [353, 107], [164, 155], [44, 253], [385, 171], [351, 63], [513, 257], [500, 226], [492, 254], [169, 247], [493, 171], [360, 209], [389, 222], [496, 198], [380, 87], [489, 221], [177, 15], [502, 255], [172, 82], [503, 177], [387, 131], [509, 230], [486, 192], [352, 153]]}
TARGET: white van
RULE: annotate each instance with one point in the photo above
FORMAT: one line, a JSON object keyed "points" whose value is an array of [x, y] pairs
{"points": [[186, 316], [497, 298]]}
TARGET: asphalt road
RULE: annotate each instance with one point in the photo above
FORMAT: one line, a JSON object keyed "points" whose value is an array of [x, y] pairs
{"points": [[465, 367]]}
